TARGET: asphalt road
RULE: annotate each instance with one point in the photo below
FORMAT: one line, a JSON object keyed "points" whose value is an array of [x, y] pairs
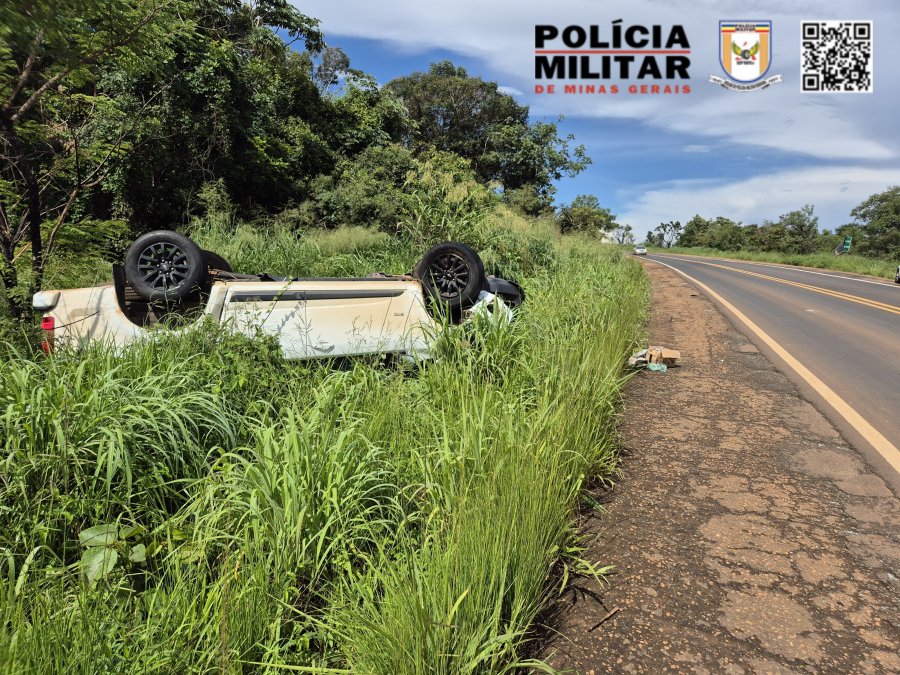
{"points": [[844, 329], [745, 535]]}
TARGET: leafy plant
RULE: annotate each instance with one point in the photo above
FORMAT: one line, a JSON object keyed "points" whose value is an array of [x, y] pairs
{"points": [[104, 544]]}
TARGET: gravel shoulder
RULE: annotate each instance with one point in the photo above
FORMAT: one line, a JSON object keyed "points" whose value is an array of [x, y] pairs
{"points": [[747, 535]]}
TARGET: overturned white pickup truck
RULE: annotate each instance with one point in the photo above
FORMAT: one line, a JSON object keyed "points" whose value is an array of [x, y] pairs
{"points": [[166, 278]]}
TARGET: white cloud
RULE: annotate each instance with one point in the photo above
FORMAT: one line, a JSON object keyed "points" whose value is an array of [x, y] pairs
{"points": [[830, 189], [808, 134], [774, 118], [512, 91], [501, 33]]}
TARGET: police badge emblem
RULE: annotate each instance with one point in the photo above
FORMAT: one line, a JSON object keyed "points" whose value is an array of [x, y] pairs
{"points": [[745, 54]]}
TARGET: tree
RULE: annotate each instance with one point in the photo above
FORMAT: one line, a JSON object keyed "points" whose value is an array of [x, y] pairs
{"points": [[828, 241], [110, 110], [333, 64], [655, 238], [624, 234], [531, 158], [879, 221], [366, 190], [725, 235], [802, 227], [586, 215], [528, 200], [473, 118], [694, 233], [244, 108], [58, 133], [668, 232], [772, 237]]}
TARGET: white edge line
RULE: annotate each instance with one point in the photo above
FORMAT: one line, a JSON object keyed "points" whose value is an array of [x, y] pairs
{"points": [[885, 448], [793, 268]]}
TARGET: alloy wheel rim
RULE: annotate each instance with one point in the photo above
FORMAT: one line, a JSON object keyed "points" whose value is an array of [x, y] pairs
{"points": [[450, 275], [164, 266]]}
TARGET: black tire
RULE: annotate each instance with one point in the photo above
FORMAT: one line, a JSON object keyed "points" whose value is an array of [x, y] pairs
{"points": [[164, 266], [216, 262], [509, 291], [452, 275]]}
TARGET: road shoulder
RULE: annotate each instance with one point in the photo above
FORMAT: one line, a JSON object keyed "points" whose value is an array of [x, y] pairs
{"points": [[747, 535]]}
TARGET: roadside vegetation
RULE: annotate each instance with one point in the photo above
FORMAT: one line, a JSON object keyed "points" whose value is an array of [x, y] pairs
{"points": [[857, 264], [117, 119], [197, 504], [795, 238]]}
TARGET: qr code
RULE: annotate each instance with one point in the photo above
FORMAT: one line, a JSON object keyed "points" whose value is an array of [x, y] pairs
{"points": [[837, 56]]}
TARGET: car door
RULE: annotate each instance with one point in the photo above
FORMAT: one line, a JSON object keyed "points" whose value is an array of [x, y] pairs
{"points": [[322, 317]]}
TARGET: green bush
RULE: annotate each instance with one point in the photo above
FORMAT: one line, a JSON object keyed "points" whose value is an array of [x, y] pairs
{"points": [[195, 503]]}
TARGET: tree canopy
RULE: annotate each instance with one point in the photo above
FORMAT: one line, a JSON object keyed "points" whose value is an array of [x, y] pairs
{"points": [[61, 133], [115, 113], [456, 112], [667, 233], [586, 215], [875, 230], [878, 221]]}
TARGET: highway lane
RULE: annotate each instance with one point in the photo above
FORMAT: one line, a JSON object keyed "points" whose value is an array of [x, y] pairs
{"points": [[842, 328]]}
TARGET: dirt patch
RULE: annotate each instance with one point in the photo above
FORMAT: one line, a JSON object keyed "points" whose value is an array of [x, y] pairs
{"points": [[746, 535], [781, 625], [821, 568]]}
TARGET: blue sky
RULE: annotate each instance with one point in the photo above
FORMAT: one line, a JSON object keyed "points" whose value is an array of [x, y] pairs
{"points": [[749, 156]]}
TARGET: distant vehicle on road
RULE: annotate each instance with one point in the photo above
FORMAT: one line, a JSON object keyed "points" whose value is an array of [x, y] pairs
{"points": [[897, 275], [640, 250]]}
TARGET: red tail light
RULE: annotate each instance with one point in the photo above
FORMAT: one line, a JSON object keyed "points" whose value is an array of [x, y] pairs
{"points": [[48, 325]]}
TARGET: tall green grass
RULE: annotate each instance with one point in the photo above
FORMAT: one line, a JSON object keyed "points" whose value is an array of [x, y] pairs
{"points": [[262, 515], [507, 243]]}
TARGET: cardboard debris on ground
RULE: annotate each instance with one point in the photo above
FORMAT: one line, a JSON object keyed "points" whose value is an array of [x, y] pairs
{"points": [[655, 358]]}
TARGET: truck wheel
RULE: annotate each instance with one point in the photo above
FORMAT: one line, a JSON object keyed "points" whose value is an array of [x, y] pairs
{"points": [[216, 262], [164, 266], [452, 274]]}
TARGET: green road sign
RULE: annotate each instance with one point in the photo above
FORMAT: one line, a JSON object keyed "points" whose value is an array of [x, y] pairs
{"points": [[844, 247]]}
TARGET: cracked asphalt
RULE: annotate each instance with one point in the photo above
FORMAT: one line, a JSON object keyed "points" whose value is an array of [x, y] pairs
{"points": [[747, 535]]}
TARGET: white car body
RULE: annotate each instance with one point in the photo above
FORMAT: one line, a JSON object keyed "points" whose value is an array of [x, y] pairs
{"points": [[309, 317], [640, 250]]}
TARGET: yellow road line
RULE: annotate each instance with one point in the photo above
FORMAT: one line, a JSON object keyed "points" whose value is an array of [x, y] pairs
{"points": [[834, 274], [893, 309], [872, 436]]}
